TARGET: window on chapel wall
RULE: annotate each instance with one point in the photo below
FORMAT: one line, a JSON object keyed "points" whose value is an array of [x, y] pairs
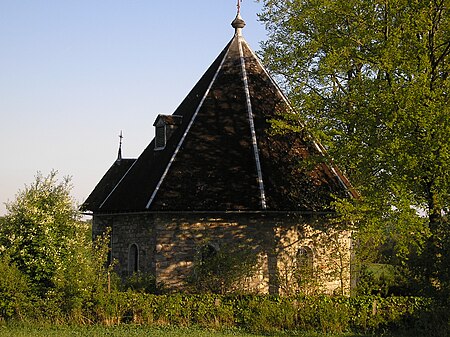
{"points": [[133, 259], [305, 260]]}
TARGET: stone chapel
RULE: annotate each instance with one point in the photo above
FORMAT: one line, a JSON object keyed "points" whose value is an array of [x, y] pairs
{"points": [[217, 174]]}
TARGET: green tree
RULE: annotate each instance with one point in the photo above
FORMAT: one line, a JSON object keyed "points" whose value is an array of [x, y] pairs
{"points": [[39, 227], [371, 80], [44, 239]]}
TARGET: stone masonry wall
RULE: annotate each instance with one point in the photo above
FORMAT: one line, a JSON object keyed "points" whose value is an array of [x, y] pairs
{"points": [[179, 240], [126, 230], [168, 245]]}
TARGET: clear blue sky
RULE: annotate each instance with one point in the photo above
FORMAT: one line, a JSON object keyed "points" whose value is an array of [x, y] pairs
{"points": [[73, 73]]}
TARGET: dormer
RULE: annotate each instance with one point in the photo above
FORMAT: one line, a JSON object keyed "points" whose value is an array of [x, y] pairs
{"points": [[165, 125]]}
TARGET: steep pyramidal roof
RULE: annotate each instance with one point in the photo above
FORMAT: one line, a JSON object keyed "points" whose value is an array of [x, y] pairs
{"points": [[218, 152]]}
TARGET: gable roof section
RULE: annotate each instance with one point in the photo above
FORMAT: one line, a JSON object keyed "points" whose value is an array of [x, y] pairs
{"points": [[224, 156]]}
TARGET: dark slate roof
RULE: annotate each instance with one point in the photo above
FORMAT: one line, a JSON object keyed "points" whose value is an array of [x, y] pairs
{"points": [[224, 155], [107, 183]]}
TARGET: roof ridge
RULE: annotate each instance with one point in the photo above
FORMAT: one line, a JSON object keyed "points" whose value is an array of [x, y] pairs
{"points": [[252, 123]]}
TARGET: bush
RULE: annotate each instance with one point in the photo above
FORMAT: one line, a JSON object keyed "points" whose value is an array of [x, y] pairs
{"points": [[142, 282], [264, 313], [15, 293], [257, 313]]}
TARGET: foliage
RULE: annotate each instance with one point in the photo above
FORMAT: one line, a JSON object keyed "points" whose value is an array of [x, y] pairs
{"points": [[219, 269], [15, 292], [40, 228], [142, 282], [83, 279], [371, 79], [272, 314], [382, 280], [48, 256]]}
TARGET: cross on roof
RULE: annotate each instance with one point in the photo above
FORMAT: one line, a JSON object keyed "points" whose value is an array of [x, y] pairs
{"points": [[119, 155], [239, 6]]}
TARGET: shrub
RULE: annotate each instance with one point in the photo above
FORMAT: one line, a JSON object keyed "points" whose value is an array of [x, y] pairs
{"points": [[253, 313], [143, 282], [15, 293]]}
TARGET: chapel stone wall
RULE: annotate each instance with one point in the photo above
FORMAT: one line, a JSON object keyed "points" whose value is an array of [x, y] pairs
{"points": [[168, 245]]}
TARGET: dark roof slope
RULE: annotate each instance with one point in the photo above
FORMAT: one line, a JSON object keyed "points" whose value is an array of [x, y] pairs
{"points": [[224, 155], [107, 184]]}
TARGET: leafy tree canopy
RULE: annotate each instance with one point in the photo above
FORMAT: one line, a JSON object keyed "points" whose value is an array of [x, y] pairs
{"points": [[371, 79]]}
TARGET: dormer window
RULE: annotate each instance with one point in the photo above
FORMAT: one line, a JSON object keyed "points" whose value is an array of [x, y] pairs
{"points": [[165, 126], [160, 137]]}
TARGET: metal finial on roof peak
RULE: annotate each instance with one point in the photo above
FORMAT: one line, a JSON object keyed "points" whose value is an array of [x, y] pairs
{"points": [[238, 23], [119, 155]]}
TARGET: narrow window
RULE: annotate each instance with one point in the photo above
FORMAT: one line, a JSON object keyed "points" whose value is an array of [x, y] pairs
{"points": [[165, 126], [160, 137], [305, 260], [133, 259]]}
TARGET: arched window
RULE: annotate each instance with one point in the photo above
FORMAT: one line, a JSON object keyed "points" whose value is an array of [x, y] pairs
{"points": [[305, 259], [133, 259]]}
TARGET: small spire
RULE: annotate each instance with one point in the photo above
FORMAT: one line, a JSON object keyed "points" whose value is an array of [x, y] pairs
{"points": [[119, 155], [238, 23]]}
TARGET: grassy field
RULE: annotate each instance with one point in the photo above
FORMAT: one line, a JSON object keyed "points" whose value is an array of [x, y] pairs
{"points": [[133, 331]]}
